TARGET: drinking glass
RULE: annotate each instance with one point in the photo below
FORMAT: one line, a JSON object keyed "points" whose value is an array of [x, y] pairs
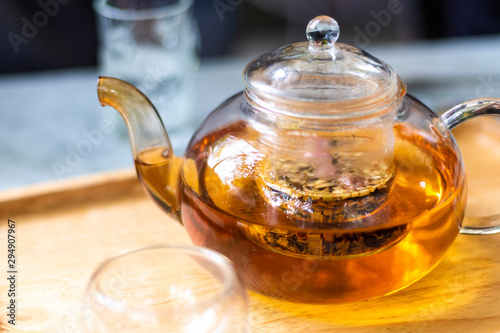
{"points": [[167, 288], [153, 45]]}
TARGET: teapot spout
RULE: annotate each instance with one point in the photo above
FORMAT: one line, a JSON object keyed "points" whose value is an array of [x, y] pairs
{"points": [[144, 125], [157, 167]]}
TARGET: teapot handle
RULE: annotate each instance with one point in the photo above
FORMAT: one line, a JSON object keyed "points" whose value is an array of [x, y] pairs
{"points": [[454, 117]]}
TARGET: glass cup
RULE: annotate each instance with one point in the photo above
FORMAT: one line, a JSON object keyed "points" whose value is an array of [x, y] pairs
{"points": [[153, 45], [166, 289]]}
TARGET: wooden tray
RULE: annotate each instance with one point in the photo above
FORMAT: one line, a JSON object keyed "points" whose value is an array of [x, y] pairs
{"points": [[64, 230]]}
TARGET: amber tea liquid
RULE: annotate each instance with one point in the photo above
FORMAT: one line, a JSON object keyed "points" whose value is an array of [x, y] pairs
{"points": [[221, 211]]}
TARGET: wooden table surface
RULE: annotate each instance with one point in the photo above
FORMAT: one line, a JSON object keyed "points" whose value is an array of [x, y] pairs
{"points": [[64, 230]]}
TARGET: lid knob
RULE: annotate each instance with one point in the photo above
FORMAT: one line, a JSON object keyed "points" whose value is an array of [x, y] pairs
{"points": [[322, 32]]}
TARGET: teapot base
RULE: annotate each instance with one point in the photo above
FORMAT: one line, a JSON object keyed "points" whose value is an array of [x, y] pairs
{"points": [[318, 279]]}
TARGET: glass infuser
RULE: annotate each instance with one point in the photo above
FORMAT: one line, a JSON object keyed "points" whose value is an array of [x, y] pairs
{"points": [[323, 181]]}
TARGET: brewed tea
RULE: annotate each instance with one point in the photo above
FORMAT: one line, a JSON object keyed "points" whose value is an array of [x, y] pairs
{"points": [[309, 258]]}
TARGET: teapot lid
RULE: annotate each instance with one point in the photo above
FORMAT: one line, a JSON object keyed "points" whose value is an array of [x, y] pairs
{"points": [[321, 78]]}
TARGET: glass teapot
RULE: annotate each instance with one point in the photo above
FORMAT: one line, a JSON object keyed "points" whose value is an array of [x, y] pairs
{"points": [[323, 181]]}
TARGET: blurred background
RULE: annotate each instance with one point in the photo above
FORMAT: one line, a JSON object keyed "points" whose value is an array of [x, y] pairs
{"points": [[447, 51], [245, 27]]}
